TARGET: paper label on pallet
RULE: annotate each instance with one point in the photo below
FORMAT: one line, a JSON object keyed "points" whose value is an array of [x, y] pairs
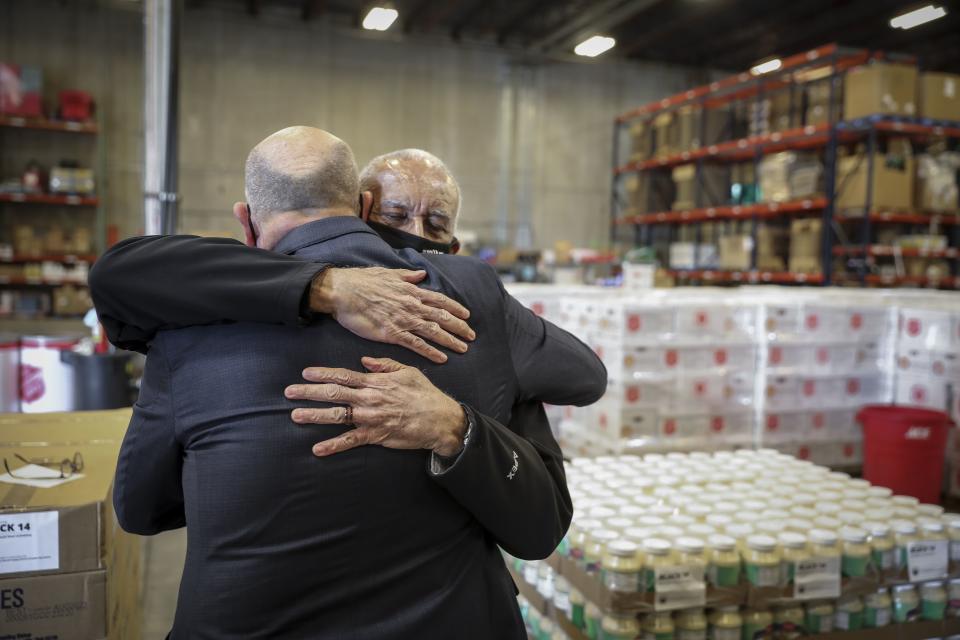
{"points": [[679, 588], [29, 541], [927, 560], [817, 578]]}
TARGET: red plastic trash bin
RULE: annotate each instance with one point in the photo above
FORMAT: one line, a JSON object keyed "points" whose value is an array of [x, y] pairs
{"points": [[904, 448]]}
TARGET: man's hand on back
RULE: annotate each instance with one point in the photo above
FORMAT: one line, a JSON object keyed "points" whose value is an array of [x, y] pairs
{"points": [[394, 406], [385, 305]]}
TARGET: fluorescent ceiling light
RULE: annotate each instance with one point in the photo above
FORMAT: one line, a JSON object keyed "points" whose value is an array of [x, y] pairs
{"points": [[379, 19], [594, 46], [766, 67], [918, 17]]}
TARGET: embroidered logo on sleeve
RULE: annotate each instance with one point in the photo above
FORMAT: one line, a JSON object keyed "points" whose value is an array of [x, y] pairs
{"points": [[516, 465]]}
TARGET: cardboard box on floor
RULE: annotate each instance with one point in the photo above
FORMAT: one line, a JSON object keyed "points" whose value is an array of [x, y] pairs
{"points": [[893, 177], [940, 96], [94, 581], [880, 88]]}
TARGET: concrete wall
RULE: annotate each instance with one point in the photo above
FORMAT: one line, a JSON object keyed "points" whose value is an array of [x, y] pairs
{"points": [[243, 78]]}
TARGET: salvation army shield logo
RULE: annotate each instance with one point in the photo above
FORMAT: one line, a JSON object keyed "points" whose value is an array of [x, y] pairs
{"points": [[32, 386]]}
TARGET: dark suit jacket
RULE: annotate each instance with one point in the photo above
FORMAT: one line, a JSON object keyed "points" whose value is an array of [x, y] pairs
{"points": [[146, 284], [364, 544]]}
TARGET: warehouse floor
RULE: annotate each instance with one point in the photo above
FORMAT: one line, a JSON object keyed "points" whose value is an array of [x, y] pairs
{"points": [[164, 556]]}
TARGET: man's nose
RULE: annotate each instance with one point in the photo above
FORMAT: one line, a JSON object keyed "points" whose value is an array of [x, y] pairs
{"points": [[418, 226]]}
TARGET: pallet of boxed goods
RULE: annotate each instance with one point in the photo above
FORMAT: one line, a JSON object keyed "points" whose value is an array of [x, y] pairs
{"points": [[743, 545]]}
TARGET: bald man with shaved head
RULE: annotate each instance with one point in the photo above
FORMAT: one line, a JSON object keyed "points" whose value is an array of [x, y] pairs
{"points": [[382, 519]]}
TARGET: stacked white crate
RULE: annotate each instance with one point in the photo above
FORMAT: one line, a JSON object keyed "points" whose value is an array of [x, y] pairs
{"points": [[821, 359], [681, 373], [928, 356], [700, 368]]}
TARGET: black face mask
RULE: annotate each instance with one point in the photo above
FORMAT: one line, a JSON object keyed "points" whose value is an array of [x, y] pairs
{"points": [[403, 240]]}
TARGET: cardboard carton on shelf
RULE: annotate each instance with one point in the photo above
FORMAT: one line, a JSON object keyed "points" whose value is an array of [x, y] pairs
{"points": [[689, 121], [666, 134], [880, 88], [714, 190], [790, 175], [940, 96], [647, 192], [639, 141], [735, 252], [818, 102], [771, 247], [892, 184], [937, 182], [805, 237]]}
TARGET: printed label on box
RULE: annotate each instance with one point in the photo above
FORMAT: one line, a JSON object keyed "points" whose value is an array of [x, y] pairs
{"points": [[679, 588], [817, 578], [927, 560], [29, 541]]}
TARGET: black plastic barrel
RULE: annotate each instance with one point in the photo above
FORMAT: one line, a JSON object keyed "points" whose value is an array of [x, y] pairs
{"points": [[100, 381]]}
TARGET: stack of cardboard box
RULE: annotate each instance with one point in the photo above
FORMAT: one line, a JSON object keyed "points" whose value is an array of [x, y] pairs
{"points": [[67, 570], [715, 186], [790, 175], [880, 88], [891, 187]]}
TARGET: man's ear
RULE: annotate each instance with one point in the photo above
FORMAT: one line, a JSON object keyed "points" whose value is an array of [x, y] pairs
{"points": [[454, 246], [366, 205], [242, 213]]}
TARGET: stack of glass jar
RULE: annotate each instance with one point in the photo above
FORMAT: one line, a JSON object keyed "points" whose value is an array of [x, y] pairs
{"points": [[746, 520]]}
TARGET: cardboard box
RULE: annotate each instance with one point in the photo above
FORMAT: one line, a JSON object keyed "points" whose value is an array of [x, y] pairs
{"points": [[639, 141], [666, 134], [771, 247], [790, 175], [880, 88], [892, 185], [937, 188], [735, 252], [648, 192], [87, 531], [714, 190], [66, 605], [940, 96], [689, 121], [21, 90], [805, 237]]}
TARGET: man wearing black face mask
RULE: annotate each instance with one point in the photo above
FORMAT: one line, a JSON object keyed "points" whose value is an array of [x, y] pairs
{"points": [[404, 192]]}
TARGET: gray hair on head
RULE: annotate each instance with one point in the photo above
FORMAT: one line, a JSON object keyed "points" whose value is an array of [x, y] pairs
{"points": [[407, 161], [298, 169]]}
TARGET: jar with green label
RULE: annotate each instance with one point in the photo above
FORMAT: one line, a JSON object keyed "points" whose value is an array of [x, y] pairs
{"points": [[577, 615], [877, 609], [533, 622], [726, 624], [597, 543], [658, 626], [953, 598], [906, 603], [933, 600], [933, 531], [561, 595], [953, 533], [793, 549], [823, 544], [761, 561], [546, 629], [691, 552], [619, 627], [882, 546], [756, 622], [593, 620], [849, 615], [622, 566], [819, 617], [855, 553], [789, 622], [578, 534], [723, 562], [656, 553], [904, 533], [691, 624]]}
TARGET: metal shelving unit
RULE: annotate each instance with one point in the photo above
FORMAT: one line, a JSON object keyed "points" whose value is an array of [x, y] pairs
{"points": [[824, 64], [26, 205]]}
